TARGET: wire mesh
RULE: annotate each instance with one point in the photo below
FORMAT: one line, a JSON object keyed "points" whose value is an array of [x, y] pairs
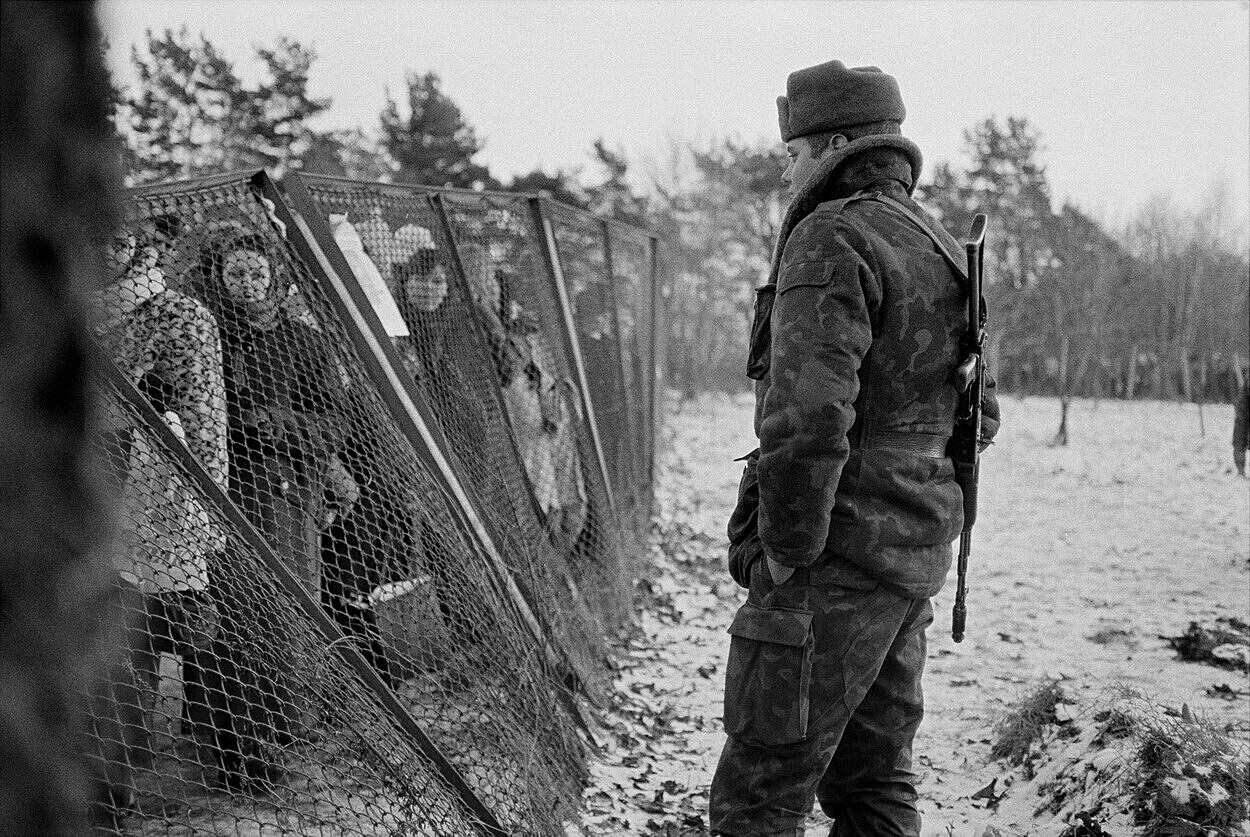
{"points": [[531, 493], [226, 709], [632, 276], [504, 257], [581, 244], [233, 339]]}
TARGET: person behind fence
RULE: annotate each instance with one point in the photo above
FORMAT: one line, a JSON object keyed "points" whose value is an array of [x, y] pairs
{"points": [[1241, 427], [421, 285], [167, 344], [544, 417], [847, 510], [285, 413]]}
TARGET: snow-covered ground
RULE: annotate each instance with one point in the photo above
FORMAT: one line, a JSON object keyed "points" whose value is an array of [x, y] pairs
{"points": [[1085, 557]]}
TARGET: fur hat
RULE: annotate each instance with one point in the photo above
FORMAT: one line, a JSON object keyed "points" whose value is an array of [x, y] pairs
{"points": [[831, 97], [861, 103]]}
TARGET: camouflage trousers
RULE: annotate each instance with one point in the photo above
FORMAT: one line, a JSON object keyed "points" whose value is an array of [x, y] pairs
{"points": [[822, 701]]}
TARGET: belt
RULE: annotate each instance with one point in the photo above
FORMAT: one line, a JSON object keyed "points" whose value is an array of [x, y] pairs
{"points": [[929, 445]]}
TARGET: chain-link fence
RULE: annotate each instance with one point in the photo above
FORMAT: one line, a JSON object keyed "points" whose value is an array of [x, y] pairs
{"points": [[631, 255], [227, 708], [508, 420], [535, 440], [367, 543], [507, 254], [581, 247]]}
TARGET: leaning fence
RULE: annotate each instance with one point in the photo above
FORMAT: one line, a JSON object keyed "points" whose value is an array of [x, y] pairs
{"points": [[383, 459]]}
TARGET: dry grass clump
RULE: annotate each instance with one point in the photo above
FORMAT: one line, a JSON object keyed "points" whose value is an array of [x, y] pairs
{"points": [[1015, 734], [1193, 778], [1115, 724], [1132, 766]]}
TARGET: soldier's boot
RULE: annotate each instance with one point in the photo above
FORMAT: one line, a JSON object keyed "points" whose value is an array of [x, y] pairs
{"points": [[869, 787]]}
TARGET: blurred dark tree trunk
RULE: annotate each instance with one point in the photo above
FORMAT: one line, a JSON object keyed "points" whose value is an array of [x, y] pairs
{"points": [[1065, 395], [58, 176]]}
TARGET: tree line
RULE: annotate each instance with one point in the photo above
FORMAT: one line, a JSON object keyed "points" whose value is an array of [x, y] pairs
{"points": [[1158, 308]]}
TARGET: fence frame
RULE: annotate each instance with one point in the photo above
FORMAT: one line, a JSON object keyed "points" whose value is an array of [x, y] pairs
{"points": [[624, 356], [436, 199], [655, 373], [572, 345], [652, 371], [286, 579], [440, 209], [414, 418]]}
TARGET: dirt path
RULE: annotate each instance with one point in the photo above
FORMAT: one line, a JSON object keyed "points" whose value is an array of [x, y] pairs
{"points": [[1085, 557]]}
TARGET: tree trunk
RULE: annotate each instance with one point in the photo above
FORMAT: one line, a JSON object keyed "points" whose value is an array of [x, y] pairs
{"points": [[1186, 373], [1202, 392], [1130, 379], [1061, 436]]}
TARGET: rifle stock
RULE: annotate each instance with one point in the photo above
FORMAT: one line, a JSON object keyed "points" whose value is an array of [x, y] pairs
{"points": [[966, 451]]}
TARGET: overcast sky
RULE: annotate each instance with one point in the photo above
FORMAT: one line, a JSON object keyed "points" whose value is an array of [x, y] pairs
{"points": [[1132, 98]]}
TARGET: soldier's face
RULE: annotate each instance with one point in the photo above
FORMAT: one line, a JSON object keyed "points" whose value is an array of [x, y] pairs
{"points": [[805, 161], [802, 164]]}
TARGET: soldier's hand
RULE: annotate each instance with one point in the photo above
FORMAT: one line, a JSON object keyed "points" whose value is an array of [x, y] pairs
{"points": [[779, 572]]}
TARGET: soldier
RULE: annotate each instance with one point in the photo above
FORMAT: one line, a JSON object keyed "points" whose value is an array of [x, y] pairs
{"points": [[848, 508]]}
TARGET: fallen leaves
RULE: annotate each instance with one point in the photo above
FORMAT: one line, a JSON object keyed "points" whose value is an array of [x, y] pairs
{"points": [[664, 715]]}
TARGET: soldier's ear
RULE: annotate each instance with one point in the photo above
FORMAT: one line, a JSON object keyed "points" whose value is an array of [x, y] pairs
{"points": [[837, 141]]}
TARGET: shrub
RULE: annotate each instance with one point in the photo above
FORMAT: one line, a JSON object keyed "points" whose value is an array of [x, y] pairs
{"points": [[1193, 778], [1017, 731]]}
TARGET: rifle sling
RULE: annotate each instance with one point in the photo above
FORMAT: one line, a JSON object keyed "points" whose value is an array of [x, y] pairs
{"points": [[920, 224]]}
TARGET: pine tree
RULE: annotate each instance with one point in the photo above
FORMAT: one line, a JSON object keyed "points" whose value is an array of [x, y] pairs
{"points": [[614, 197], [282, 108], [1007, 181], [561, 186], [191, 113], [188, 96], [432, 144], [347, 153]]}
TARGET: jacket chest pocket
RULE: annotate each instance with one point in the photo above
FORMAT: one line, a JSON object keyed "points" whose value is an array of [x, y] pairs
{"points": [[758, 355]]}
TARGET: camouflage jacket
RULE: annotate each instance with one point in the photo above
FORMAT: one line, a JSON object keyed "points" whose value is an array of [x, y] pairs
{"points": [[858, 336]]}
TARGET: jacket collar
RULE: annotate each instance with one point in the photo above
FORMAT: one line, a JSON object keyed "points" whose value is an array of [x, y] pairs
{"points": [[815, 190]]}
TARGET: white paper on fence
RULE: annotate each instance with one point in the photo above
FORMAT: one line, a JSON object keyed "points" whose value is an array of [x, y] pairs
{"points": [[368, 276]]}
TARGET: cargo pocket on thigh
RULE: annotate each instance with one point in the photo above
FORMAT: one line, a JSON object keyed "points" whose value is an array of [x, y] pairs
{"points": [[769, 675]]}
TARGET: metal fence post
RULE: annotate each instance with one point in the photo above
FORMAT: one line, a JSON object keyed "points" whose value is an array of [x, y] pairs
{"points": [[655, 376], [414, 420], [572, 345], [291, 585]]}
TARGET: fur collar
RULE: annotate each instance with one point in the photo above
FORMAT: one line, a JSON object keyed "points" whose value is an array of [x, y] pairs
{"points": [[805, 201]]}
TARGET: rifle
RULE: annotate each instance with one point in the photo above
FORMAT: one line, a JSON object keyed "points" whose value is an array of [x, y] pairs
{"points": [[966, 442]]}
